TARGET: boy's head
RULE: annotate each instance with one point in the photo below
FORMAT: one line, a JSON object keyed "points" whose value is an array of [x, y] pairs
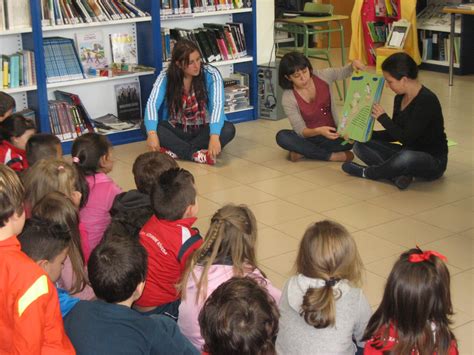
{"points": [[43, 146], [148, 167], [47, 244], [117, 269], [7, 105], [173, 196], [11, 202], [17, 129], [240, 318]]}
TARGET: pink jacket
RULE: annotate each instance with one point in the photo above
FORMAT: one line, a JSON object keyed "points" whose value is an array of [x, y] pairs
{"points": [[189, 309], [95, 215]]}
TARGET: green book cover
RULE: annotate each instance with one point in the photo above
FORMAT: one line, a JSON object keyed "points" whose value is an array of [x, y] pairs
{"points": [[356, 122]]}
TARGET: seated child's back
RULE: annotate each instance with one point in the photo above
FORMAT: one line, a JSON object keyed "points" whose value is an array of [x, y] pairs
{"points": [[169, 240], [117, 269]]}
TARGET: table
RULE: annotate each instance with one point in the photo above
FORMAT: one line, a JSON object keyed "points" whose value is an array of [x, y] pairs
{"points": [[303, 25], [453, 11]]}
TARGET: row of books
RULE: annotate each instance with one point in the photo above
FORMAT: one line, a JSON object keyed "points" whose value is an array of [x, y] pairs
{"points": [[61, 12], [175, 7], [67, 116], [378, 31], [14, 14], [432, 15], [386, 8], [435, 46], [216, 42], [17, 69]]}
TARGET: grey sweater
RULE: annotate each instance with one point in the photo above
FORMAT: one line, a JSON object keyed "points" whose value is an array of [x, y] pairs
{"points": [[290, 105], [298, 337]]}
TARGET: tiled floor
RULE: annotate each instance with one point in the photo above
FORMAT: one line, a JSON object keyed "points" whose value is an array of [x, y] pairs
{"points": [[286, 197]]}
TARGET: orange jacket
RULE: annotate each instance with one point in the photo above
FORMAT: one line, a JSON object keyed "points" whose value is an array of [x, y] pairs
{"points": [[30, 319]]}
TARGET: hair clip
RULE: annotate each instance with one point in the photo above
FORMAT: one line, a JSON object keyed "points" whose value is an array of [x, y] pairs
{"points": [[76, 160], [61, 167], [332, 282], [425, 256]]}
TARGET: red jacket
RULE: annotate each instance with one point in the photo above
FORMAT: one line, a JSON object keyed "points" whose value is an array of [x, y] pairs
{"points": [[390, 343], [169, 244], [12, 156], [30, 319]]}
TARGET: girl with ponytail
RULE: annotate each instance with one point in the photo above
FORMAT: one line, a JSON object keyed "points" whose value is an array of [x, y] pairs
{"points": [[322, 310], [228, 250]]}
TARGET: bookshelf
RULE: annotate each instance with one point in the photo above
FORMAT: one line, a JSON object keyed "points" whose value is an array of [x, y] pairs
{"points": [[433, 24], [97, 93]]}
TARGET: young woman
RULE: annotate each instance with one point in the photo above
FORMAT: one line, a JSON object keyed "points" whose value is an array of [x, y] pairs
{"points": [[309, 105], [190, 96], [417, 124]]}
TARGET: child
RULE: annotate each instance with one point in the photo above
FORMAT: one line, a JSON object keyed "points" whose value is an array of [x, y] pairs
{"points": [[413, 317], [132, 209], [92, 154], [54, 175], [117, 270], [7, 105], [43, 146], [56, 208], [239, 318], [15, 131], [169, 240], [30, 320], [228, 250], [321, 310], [47, 244]]}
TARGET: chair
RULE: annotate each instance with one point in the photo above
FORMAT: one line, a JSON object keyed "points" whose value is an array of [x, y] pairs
{"points": [[306, 31]]}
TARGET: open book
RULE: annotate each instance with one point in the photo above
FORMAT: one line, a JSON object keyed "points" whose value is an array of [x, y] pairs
{"points": [[357, 123]]}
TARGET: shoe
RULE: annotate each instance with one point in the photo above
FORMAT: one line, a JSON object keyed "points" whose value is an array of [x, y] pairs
{"points": [[294, 157], [203, 157], [354, 169], [169, 152], [402, 181]]}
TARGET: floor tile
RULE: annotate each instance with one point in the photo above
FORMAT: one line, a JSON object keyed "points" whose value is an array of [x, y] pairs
{"points": [[278, 211], [466, 204], [462, 289], [213, 182], [409, 232], [284, 186], [325, 177], [372, 248], [249, 173], [206, 207], [271, 242], [448, 217], [275, 278], [289, 167], [458, 249], [364, 189], [362, 215], [408, 202], [320, 200], [465, 337], [282, 264], [239, 195], [373, 286]]}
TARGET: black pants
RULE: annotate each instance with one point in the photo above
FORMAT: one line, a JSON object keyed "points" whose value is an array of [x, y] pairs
{"points": [[388, 160], [185, 144], [317, 147]]}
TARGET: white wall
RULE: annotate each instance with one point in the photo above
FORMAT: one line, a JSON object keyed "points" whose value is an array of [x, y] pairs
{"points": [[265, 19]]}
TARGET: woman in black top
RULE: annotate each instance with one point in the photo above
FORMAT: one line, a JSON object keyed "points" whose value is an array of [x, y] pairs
{"points": [[417, 124]]}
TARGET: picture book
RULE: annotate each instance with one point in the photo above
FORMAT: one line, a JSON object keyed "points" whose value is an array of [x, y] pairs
{"points": [[91, 50], [123, 48], [128, 102], [357, 122]]}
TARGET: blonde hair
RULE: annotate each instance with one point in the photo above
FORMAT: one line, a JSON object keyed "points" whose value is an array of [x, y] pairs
{"points": [[231, 238], [11, 194], [47, 176], [328, 252], [56, 208]]}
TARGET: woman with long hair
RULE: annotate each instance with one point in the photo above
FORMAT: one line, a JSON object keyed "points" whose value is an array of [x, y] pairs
{"points": [[184, 115]]}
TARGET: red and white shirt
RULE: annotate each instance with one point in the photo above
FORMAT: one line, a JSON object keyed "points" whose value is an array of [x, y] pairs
{"points": [[168, 244], [12, 156]]}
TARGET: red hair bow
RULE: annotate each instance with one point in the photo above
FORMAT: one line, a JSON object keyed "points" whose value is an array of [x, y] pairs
{"points": [[425, 256]]}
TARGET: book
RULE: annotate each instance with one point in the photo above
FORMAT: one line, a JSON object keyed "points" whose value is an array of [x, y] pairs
{"points": [[357, 122], [83, 115], [110, 122], [91, 50], [129, 108], [61, 60], [123, 48]]}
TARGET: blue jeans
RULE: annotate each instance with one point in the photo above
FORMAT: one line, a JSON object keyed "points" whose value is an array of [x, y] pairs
{"points": [[185, 144], [168, 309], [389, 160], [317, 147]]}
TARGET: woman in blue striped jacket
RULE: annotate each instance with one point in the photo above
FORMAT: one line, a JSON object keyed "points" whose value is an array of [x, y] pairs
{"points": [[185, 111]]}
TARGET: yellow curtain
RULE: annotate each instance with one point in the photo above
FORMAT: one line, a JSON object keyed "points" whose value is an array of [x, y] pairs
{"points": [[357, 47]]}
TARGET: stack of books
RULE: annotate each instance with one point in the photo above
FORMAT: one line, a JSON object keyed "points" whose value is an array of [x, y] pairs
{"points": [[175, 7], [14, 14], [57, 12], [236, 95], [68, 118], [17, 70], [216, 42]]}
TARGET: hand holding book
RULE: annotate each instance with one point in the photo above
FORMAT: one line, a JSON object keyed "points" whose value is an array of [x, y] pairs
{"points": [[377, 111]]}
